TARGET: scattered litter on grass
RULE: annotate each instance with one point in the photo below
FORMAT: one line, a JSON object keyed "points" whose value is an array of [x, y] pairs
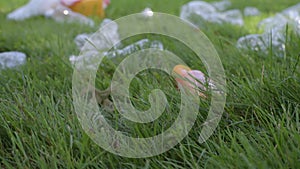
{"points": [[274, 36], [111, 35], [221, 5], [97, 43], [141, 44], [199, 12], [104, 41], [11, 59], [251, 11]]}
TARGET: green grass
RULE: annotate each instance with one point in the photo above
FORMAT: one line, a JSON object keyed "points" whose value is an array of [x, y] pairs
{"points": [[260, 127]]}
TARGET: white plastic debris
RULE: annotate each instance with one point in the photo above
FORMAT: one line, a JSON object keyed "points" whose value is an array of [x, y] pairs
{"points": [[147, 12], [251, 11], [49, 8], [273, 40], [274, 36], [199, 12], [221, 5], [234, 17], [276, 21], [199, 8], [141, 44], [11, 59], [33, 8], [91, 44]]}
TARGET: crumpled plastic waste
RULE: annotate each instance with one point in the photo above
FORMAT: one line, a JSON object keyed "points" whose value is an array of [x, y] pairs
{"points": [[198, 12], [147, 12], [262, 43], [112, 35], [221, 5], [59, 10], [251, 11], [274, 32], [101, 44], [11, 59], [141, 44]]}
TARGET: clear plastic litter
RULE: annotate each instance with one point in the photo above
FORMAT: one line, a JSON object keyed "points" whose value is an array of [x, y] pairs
{"points": [[251, 11], [262, 43], [101, 42], [141, 44], [199, 12], [12, 59], [33, 8], [111, 37], [274, 36], [147, 12], [221, 5]]}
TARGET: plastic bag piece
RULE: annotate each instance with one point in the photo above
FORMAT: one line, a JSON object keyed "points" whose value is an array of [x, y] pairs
{"points": [[141, 44], [199, 12], [33, 8], [234, 17], [102, 43], [263, 42], [289, 16], [276, 21], [253, 42], [274, 32], [12, 59], [251, 11], [197, 7], [112, 35], [293, 13], [221, 5]]}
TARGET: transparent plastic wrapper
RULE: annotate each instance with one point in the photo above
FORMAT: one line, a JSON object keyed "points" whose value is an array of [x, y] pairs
{"points": [[274, 35], [198, 8], [113, 36], [11, 59], [234, 17], [254, 42], [251, 11], [127, 50], [141, 44], [221, 5], [33, 8], [263, 43], [276, 21], [199, 12], [289, 16], [102, 43]]}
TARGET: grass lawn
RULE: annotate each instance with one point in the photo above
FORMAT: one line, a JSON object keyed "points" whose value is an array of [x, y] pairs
{"points": [[260, 127]]}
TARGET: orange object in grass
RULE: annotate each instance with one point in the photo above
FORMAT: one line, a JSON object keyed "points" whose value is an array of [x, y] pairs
{"points": [[89, 8], [190, 78]]}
